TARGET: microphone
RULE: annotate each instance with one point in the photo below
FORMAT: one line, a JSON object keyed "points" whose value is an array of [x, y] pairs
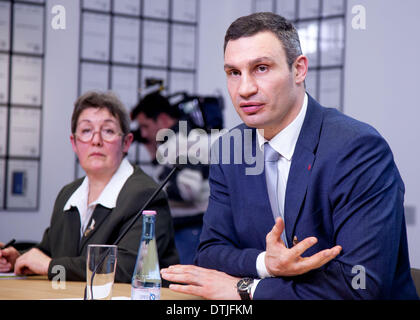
{"points": [[181, 163]]}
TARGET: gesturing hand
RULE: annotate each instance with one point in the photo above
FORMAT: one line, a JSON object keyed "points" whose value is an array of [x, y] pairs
{"points": [[281, 261]]}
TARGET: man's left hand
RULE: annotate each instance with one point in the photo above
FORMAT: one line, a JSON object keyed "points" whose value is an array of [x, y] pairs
{"points": [[206, 283]]}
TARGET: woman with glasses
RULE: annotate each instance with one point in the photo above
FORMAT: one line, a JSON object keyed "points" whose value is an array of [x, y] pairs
{"points": [[97, 208]]}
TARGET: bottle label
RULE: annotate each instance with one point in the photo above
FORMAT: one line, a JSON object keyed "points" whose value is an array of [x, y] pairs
{"points": [[145, 293]]}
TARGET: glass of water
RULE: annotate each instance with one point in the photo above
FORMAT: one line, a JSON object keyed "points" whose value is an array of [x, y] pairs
{"points": [[100, 271]]}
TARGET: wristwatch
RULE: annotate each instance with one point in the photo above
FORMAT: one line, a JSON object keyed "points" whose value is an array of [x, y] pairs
{"points": [[244, 288]]}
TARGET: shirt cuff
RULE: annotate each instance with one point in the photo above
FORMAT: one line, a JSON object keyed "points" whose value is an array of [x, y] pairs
{"points": [[254, 286], [261, 268]]}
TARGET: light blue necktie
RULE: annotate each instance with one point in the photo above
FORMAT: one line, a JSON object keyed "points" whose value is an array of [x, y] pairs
{"points": [[271, 157]]}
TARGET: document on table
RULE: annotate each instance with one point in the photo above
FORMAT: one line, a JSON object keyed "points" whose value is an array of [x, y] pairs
{"points": [[10, 275]]}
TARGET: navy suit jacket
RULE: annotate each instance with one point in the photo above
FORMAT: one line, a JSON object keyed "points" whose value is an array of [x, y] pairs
{"points": [[343, 188]]}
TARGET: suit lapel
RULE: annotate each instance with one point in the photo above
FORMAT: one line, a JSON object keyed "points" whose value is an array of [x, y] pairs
{"points": [[255, 177], [98, 217], [297, 184], [301, 166]]}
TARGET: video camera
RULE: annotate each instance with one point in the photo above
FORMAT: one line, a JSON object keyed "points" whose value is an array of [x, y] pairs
{"points": [[204, 112]]}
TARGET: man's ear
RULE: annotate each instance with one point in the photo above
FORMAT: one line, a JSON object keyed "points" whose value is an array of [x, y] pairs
{"points": [[300, 69]]}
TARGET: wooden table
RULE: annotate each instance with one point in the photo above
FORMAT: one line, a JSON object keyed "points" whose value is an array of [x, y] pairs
{"points": [[38, 288]]}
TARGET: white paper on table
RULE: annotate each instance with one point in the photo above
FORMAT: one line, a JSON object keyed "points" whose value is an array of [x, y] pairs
{"points": [[131, 7], [3, 130], [183, 46], [185, 10], [4, 26], [28, 27], [9, 275], [4, 77], [124, 84], [26, 80], [330, 88], [95, 36], [286, 8], [308, 9], [155, 43], [333, 7], [308, 35], [25, 131], [182, 81], [28, 170], [94, 76], [101, 5], [332, 42], [126, 38], [156, 9]]}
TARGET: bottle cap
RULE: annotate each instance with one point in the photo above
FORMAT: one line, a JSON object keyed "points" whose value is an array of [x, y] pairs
{"points": [[149, 212]]}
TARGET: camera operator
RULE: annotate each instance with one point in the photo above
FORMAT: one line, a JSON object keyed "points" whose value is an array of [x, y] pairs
{"points": [[188, 189]]}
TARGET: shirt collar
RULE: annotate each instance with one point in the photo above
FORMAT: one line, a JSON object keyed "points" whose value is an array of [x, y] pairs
{"points": [[108, 197], [285, 141]]}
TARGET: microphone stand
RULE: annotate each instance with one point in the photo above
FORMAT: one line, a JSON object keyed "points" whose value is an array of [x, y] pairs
{"points": [[152, 197]]}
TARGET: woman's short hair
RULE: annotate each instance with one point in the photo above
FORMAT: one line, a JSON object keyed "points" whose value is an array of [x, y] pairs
{"points": [[101, 100]]}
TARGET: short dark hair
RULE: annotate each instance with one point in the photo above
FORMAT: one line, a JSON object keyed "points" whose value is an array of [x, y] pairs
{"points": [[152, 105], [252, 24], [101, 100]]}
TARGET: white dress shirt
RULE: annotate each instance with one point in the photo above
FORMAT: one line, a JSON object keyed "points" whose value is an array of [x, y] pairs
{"points": [[108, 197], [284, 143]]}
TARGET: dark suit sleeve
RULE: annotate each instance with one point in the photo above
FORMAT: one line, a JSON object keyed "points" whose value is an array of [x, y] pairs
{"points": [[45, 244], [220, 246], [366, 198]]}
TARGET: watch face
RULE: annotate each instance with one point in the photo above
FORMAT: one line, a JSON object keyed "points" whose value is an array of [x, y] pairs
{"points": [[244, 283]]}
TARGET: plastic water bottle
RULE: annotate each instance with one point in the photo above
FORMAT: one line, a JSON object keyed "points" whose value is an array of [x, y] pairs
{"points": [[146, 282]]}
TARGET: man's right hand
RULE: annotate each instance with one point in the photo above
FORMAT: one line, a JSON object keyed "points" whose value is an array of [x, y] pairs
{"points": [[8, 258], [282, 261]]}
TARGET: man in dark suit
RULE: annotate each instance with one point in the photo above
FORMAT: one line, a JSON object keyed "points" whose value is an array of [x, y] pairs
{"points": [[330, 187]]}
